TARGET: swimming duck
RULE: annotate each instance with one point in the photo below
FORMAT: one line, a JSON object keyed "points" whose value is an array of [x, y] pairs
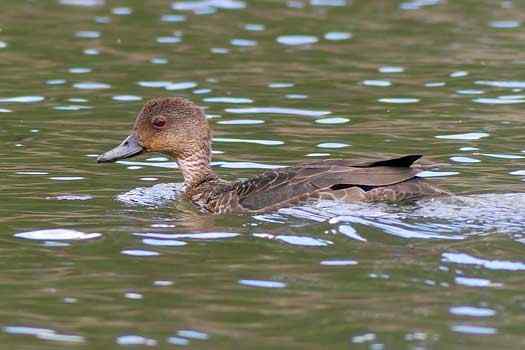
{"points": [[178, 128]]}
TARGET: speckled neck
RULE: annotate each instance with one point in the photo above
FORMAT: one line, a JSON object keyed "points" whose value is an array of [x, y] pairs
{"points": [[196, 169]]}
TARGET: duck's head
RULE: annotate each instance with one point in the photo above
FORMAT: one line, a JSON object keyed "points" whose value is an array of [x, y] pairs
{"points": [[172, 125]]}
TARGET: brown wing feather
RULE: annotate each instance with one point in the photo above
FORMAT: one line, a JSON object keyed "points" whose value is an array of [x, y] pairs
{"points": [[283, 186]]}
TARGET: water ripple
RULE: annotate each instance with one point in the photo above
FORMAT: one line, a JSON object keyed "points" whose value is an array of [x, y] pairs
{"points": [[169, 39], [243, 42], [475, 282], [241, 122], [191, 236], [471, 136], [87, 34], [507, 84], [473, 329], [382, 83], [127, 340], [258, 142], [465, 310], [163, 242], [126, 98], [465, 259], [173, 18], [91, 86], [391, 69], [334, 3], [338, 262], [154, 84], [139, 252], [333, 120], [208, 6], [192, 334], [464, 160], [43, 333], [58, 234], [510, 24], [399, 100], [498, 101], [262, 284], [277, 110], [303, 241], [233, 100], [295, 40], [22, 99], [337, 36], [255, 27], [181, 86]]}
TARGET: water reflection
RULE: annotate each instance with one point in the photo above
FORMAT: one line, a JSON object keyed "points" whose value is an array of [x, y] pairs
{"points": [[281, 83]]}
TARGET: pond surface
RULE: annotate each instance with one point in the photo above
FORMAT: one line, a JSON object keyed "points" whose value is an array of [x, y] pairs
{"points": [[105, 257]]}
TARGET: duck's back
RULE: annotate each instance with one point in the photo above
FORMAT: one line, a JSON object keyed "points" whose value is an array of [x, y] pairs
{"points": [[384, 180]]}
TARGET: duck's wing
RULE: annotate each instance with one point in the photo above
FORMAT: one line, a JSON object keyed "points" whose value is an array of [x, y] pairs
{"points": [[287, 186]]}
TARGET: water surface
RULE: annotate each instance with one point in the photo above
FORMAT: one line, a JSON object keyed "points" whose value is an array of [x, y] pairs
{"points": [[106, 257]]}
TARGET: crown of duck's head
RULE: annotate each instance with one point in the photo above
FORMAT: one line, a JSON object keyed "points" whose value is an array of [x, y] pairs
{"points": [[171, 125]]}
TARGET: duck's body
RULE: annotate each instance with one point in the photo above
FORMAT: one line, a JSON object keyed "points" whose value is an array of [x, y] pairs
{"points": [[391, 180], [178, 127]]}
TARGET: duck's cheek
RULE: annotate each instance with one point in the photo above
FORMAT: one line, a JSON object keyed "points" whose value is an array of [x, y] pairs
{"points": [[154, 145]]}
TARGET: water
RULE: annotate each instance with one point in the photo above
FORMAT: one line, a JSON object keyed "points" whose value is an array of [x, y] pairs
{"points": [[107, 257]]}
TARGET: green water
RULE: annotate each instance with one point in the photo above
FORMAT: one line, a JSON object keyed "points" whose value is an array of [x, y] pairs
{"points": [[443, 274]]}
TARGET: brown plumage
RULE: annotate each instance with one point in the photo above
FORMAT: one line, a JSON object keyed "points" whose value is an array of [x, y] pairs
{"points": [[178, 128]]}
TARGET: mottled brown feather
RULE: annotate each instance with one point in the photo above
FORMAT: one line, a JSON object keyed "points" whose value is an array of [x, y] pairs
{"points": [[185, 135], [283, 186]]}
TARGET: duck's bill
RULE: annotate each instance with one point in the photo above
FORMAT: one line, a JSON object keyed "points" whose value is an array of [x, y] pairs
{"points": [[128, 148]]}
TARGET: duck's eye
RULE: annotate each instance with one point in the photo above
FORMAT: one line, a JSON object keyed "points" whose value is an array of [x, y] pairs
{"points": [[158, 122]]}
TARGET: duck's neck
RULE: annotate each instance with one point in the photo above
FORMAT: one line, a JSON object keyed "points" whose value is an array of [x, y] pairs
{"points": [[196, 168]]}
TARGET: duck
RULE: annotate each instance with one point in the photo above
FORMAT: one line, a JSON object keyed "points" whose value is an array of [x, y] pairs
{"points": [[178, 128]]}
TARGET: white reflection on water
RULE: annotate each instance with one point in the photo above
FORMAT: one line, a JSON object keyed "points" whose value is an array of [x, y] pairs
{"points": [[259, 142], [58, 234], [192, 334], [509, 84], [473, 329], [465, 259], [163, 242], [466, 137], [87, 34], [464, 160], [448, 218], [473, 311], [190, 236], [399, 100], [304, 241], [139, 252], [243, 42], [262, 284], [475, 282], [295, 40], [233, 100], [391, 69], [277, 110], [91, 86], [335, 3], [381, 83], [132, 339], [349, 232], [44, 333], [418, 4], [337, 36], [22, 99], [338, 262], [159, 194], [509, 24]]}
